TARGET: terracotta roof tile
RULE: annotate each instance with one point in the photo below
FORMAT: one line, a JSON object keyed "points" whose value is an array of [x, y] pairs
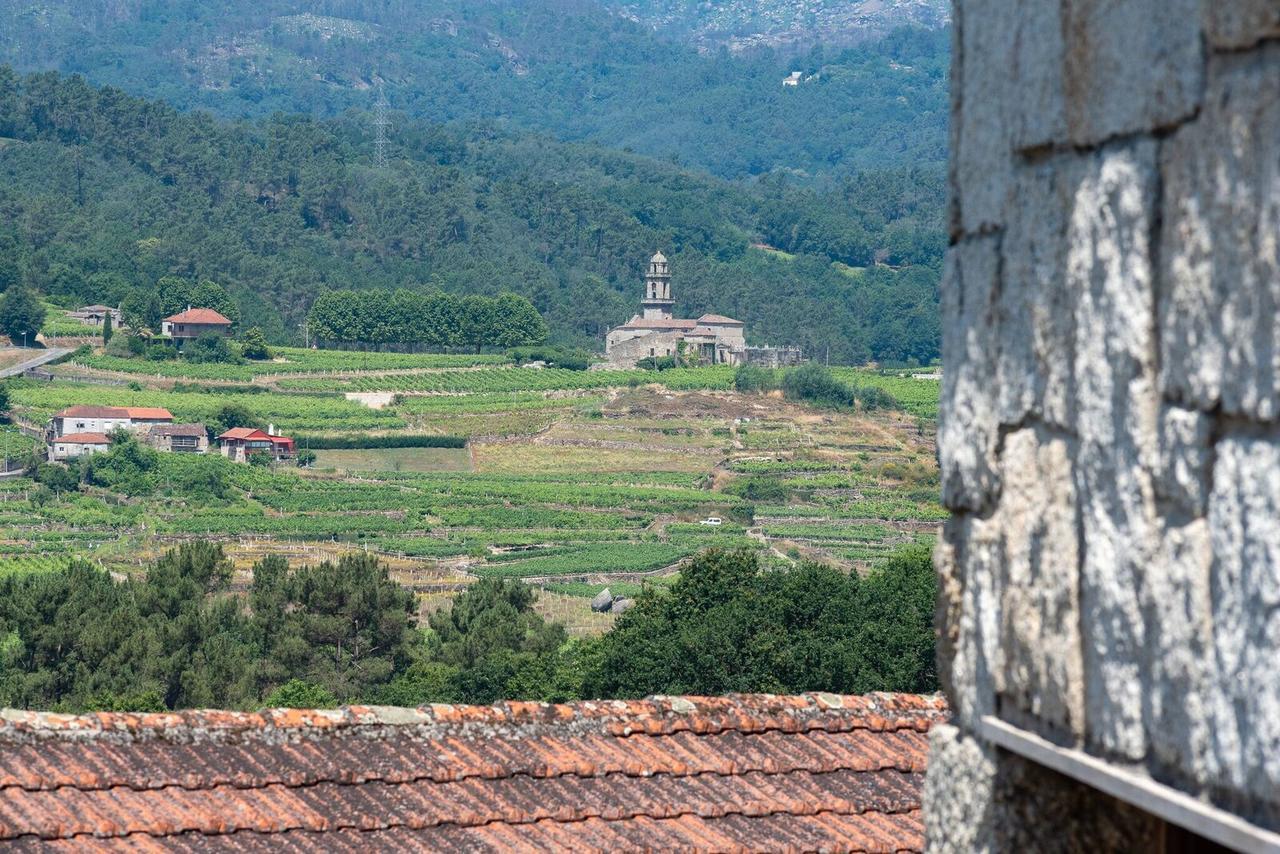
{"points": [[650, 323], [149, 413], [739, 772], [83, 439], [199, 315], [244, 433], [177, 430], [89, 411]]}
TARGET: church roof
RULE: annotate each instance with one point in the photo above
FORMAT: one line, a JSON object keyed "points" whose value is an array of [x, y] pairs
{"points": [[651, 323], [719, 318], [809, 772], [658, 258]]}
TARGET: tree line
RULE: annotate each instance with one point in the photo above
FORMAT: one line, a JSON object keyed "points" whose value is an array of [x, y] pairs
{"points": [[281, 210], [433, 320], [75, 639]]}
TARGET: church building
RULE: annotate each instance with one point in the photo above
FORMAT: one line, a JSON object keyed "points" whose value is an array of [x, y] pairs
{"points": [[712, 339]]}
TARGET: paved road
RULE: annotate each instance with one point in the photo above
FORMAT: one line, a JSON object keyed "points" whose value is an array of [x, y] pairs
{"points": [[41, 357]]}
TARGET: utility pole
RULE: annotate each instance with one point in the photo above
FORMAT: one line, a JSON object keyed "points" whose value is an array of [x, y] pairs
{"points": [[306, 340], [380, 122]]}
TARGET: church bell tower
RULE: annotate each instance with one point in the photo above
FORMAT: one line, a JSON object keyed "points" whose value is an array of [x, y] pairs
{"points": [[657, 301]]}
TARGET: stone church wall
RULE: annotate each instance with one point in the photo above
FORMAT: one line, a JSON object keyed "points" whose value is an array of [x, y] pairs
{"points": [[625, 354], [1110, 430]]}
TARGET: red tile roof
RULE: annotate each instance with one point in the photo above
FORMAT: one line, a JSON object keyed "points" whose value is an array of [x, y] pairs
{"points": [[740, 772], [244, 433], [199, 315], [650, 323], [149, 413], [85, 411], [719, 318], [84, 439], [177, 430]]}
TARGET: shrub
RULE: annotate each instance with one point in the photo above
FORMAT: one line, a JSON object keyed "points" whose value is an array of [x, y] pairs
{"points": [[753, 378], [253, 344], [210, 349], [760, 489], [814, 383], [300, 694]]}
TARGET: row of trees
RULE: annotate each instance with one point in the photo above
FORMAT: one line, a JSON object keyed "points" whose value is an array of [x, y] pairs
{"points": [[437, 320], [75, 639]]}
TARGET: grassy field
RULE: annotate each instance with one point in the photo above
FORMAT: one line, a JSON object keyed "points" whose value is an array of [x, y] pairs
{"points": [[573, 480], [395, 460]]}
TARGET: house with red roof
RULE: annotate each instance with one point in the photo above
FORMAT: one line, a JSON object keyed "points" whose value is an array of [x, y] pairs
{"points": [[240, 443], [195, 323], [72, 445], [105, 419]]}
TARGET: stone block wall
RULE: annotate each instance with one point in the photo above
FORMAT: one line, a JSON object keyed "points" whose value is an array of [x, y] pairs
{"points": [[1110, 429]]}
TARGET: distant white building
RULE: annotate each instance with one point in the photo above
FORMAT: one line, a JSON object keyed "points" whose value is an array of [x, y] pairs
{"points": [[793, 79], [105, 419], [74, 445]]}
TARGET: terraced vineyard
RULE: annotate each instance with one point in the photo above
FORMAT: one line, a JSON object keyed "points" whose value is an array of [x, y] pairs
{"points": [[300, 413], [491, 380], [572, 480], [289, 360]]}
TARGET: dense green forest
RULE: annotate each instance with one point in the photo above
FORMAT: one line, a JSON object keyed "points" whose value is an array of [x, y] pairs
{"points": [[75, 639], [102, 194], [574, 69]]}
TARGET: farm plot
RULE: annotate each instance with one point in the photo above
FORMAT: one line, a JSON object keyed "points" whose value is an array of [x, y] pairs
{"points": [[396, 459], [287, 361], [491, 380], [610, 487], [289, 412]]}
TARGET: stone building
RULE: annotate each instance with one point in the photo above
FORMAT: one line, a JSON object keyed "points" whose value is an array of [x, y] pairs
{"points": [[712, 339], [1110, 430]]}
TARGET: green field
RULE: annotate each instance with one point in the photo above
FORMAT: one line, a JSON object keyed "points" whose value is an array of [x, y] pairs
{"points": [[580, 479], [290, 360], [395, 460]]}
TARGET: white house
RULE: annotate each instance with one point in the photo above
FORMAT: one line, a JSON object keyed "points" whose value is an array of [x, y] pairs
{"points": [[74, 445], [105, 419]]}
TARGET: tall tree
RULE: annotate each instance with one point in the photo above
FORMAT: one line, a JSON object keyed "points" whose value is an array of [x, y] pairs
{"points": [[21, 315]]}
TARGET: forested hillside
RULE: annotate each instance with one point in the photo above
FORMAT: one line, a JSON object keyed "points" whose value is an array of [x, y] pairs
{"points": [[747, 25], [579, 70], [101, 193]]}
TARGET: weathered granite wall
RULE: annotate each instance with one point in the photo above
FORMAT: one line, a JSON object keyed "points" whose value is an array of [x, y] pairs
{"points": [[1110, 429]]}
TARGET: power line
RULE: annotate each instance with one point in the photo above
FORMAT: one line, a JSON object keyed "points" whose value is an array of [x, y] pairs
{"points": [[380, 122]]}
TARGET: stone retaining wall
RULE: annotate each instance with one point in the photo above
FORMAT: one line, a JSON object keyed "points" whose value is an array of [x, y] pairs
{"points": [[1110, 429]]}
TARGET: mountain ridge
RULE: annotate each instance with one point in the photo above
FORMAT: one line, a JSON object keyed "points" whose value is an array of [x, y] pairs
{"points": [[575, 69]]}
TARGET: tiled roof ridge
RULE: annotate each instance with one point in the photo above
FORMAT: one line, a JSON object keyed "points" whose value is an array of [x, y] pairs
{"points": [[763, 808], [534, 772], [660, 714]]}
